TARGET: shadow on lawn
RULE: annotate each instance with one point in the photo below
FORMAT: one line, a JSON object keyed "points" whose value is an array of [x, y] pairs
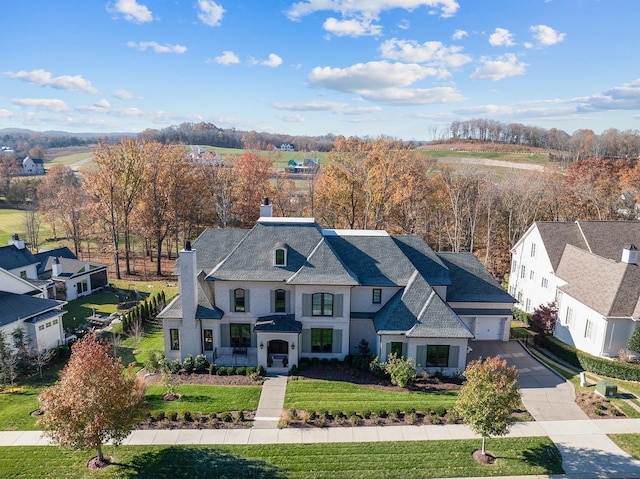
{"points": [[547, 457], [197, 462]]}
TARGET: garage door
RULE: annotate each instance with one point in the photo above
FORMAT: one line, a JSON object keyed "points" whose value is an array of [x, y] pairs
{"points": [[489, 328]]}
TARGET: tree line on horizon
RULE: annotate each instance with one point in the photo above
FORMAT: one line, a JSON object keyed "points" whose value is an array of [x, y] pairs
{"points": [[145, 199]]}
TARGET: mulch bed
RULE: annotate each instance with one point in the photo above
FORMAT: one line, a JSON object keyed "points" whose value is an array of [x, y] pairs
{"points": [[598, 407]]}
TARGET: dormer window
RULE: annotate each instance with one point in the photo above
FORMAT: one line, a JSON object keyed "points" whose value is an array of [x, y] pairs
{"points": [[280, 254]]}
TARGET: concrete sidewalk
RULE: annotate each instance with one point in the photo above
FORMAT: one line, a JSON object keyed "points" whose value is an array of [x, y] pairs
{"points": [[271, 402]]}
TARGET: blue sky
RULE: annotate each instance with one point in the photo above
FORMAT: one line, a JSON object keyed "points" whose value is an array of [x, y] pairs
{"points": [[403, 68]]}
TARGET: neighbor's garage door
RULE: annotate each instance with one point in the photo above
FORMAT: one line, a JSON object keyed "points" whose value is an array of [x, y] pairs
{"points": [[489, 328]]}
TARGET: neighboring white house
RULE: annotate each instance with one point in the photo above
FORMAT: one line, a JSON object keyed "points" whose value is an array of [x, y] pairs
{"points": [[32, 166], [287, 147], [22, 306], [287, 288], [590, 268], [18, 260]]}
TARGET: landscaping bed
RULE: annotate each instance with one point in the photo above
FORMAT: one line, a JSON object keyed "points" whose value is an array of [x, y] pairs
{"points": [[598, 407]]}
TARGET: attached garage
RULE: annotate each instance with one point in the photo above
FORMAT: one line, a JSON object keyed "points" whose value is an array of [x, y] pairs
{"points": [[489, 329], [486, 324]]}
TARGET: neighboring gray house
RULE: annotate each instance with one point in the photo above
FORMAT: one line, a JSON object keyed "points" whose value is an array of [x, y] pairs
{"points": [[590, 268], [287, 288], [32, 166]]}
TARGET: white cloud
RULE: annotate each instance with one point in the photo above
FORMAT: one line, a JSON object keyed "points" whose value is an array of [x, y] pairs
{"points": [[102, 103], [227, 58], [272, 62], [625, 97], [63, 82], [369, 8], [500, 68], [295, 118], [369, 76], [41, 103], [132, 11], [545, 36], [501, 37], [123, 94], [404, 24], [210, 13], [413, 96], [5, 113], [156, 47], [459, 35], [311, 106], [351, 28], [432, 53]]}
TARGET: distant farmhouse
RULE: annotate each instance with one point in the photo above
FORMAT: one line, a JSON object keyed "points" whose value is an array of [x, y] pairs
{"points": [[32, 166], [308, 165], [287, 147]]}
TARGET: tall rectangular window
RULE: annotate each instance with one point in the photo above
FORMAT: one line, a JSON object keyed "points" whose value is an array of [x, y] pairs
{"points": [[377, 296], [238, 299], [588, 330], [207, 339], [533, 249], [523, 271], [240, 334], [174, 339], [322, 304], [396, 348], [321, 340], [545, 283], [280, 301], [438, 356], [569, 317], [532, 275], [528, 305]]}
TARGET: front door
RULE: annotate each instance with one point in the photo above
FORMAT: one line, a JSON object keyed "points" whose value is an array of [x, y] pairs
{"points": [[277, 346]]}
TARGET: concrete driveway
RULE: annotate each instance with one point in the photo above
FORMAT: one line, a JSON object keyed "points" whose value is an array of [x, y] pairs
{"points": [[546, 395]]}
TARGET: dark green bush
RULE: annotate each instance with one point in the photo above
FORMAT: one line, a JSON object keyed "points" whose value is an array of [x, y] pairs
{"points": [[241, 370], [383, 413], [324, 363], [226, 416], [159, 416], [221, 371], [188, 364], [187, 416], [260, 370], [230, 370], [212, 368], [200, 363], [294, 370], [250, 370], [521, 316], [172, 415], [594, 364]]}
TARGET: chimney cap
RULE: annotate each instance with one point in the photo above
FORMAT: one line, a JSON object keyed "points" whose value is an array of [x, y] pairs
{"points": [[187, 245]]}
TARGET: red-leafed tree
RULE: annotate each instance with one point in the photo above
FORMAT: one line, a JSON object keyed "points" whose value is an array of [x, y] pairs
{"points": [[96, 400], [543, 319]]}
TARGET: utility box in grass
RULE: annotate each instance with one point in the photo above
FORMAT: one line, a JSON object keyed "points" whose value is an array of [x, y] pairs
{"points": [[606, 388]]}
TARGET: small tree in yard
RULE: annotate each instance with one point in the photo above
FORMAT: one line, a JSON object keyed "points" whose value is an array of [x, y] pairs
{"points": [[97, 400], [634, 341], [402, 371], [543, 319], [488, 397]]}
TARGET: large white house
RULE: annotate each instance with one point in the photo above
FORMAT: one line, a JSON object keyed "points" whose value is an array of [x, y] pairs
{"points": [[287, 288], [590, 268]]}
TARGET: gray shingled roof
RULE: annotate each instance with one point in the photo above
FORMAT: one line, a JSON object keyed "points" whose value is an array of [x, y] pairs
{"points": [[324, 267], [375, 260], [212, 246], [12, 257], [608, 238], [420, 312], [252, 258], [282, 323], [471, 282], [206, 308], [611, 288], [556, 235], [46, 258], [20, 306], [424, 259]]}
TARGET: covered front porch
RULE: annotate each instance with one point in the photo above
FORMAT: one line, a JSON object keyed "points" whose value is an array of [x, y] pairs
{"points": [[277, 338]]}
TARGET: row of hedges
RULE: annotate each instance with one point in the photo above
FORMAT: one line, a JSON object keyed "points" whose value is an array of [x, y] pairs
{"points": [[188, 416], [522, 316], [593, 364]]}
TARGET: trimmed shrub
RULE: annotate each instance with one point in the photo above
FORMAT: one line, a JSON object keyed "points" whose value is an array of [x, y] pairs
{"points": [[172, 415], [226, 416], [230, 370], [250, 370], [221, 371], [188, 364], [175, 366], [402, 371], [294, 370], [159, 416], [383, 413], [200, 363], [241, 370], [152, 363], [596, 365], [521, 316], [377, 368], [260, 370], [187, 416], [324, 363], [212, 368]]}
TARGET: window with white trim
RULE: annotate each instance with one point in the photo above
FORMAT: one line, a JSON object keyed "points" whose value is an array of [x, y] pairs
{"points": [[532, 275], [544, 283], [280, 257], [528, 306], [523, 271], [533, 249], [588, 330], [569, 317]]}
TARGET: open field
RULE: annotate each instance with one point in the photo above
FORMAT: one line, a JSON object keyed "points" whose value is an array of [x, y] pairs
{"points": [[70, 159], [12, 221], [400, 460]]}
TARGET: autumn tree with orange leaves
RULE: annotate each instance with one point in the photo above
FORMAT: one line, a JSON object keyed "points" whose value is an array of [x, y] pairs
{"points": [[96, 400]]}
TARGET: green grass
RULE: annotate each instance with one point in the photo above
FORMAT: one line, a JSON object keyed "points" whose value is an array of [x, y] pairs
{"points": [[205, 398], [411, 459], [535, 158], [71, 159], [319, 395], [15, 405], [12, 221], [280, 159], [629, 443]]}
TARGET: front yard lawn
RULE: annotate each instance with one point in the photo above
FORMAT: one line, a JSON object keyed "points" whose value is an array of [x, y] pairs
{"points": [[319, 395], [204, 398], [629, 443], [411, 459]]}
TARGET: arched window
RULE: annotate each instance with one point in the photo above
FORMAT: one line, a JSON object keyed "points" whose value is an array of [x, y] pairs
{"points": [[280, 255], [280, 301], [238, 299], [322, 304]]}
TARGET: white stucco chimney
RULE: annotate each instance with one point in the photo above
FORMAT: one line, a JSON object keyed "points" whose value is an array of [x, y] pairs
{"points": [[266, 209], [56, 268], [16, 241], [188, 285], [630, 254]]}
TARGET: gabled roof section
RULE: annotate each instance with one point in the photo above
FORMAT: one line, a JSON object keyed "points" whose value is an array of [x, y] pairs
{"points": [[212, 246], [76, 267], [46, 258], [324, 267], [608, 238], [252, 258], [12, 257], [556, 235], [20, 306], [206, 308], [425, 260], [609, 287], [373, 257], [471, 282], [283, 323], [419, 312]]}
